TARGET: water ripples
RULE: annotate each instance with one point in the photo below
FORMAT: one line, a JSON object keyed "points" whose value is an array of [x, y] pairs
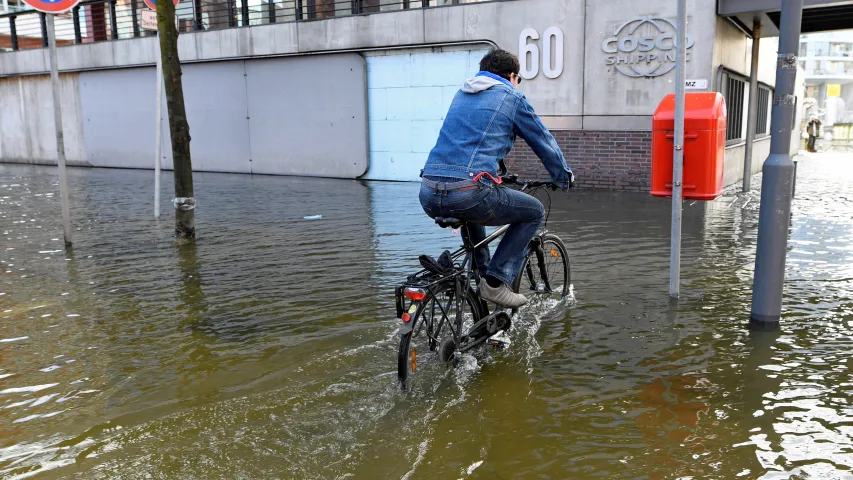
{"points": [[269, 348]]}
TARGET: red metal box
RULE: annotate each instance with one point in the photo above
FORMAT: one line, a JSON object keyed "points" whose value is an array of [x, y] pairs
{"points": [[704, 146]]}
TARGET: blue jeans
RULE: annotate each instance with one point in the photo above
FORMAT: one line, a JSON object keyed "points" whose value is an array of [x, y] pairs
{"points": [[486, 204]]}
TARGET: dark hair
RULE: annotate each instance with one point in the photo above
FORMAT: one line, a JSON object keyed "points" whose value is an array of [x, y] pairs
{"points": [[500, 62]]}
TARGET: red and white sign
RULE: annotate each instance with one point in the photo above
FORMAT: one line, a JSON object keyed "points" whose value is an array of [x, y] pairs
{"points": [[52, 6], [149, 19], [152, 4]]}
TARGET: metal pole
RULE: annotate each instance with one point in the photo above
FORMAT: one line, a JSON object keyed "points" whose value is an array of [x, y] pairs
{"points": [[158, 134], [43, 20], [777, 180], [113, 20], [75, 15], [13, 31], [134, 16], [197, 19], [753, 104], [678, 152], [60, 139]]}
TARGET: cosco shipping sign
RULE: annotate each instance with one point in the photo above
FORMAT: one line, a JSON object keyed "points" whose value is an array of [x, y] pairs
{"points": [[643, 47]]}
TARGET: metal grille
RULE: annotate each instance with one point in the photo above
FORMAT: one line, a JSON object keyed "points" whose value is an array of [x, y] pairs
{"points": [[733, 93], [761, 126]]}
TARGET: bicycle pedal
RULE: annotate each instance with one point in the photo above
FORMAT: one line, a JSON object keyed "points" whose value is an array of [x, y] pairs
{"points": [[499, 340]]}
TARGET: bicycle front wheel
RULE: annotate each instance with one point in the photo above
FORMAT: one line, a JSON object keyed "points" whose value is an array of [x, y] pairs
{"points": [[546, 273]]}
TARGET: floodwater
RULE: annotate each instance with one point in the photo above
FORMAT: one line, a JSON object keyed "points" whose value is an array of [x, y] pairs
{"points": [[268, 349]]}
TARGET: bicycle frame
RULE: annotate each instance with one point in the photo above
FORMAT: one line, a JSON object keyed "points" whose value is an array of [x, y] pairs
{"points": [[461, 278], [494, 236]]}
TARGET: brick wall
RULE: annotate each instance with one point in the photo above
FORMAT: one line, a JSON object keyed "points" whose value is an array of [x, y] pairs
{"points": [[608, 160]]}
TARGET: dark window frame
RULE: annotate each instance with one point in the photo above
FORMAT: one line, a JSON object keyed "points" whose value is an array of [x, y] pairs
{"points": [[733, 87], [765, 108]]}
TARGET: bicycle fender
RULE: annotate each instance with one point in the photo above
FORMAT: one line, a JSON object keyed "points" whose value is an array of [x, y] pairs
{"points": [[407, 327]]}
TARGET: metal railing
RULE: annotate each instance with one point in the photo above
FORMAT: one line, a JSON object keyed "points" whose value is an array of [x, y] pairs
{"points": [[105, 20]]}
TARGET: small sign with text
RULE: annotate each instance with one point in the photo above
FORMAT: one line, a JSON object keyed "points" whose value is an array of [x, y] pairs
{"points": [[696, 84], [149, 20]]}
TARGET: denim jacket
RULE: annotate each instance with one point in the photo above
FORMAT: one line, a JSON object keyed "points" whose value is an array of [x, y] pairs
{"points": [[480, 129]]}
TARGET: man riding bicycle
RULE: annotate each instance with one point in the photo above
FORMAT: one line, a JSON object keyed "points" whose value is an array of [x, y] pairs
{"points": [[460, 178]]}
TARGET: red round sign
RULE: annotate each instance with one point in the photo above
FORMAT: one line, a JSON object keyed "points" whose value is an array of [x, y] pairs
{"points": [[52, 6], [152, 4]]}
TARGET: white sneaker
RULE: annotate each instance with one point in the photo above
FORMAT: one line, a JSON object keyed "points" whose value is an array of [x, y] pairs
{"points": [[502, 295]]}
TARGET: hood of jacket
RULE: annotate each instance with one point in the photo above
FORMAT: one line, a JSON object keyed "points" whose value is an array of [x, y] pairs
{"points": [[483, 81]]}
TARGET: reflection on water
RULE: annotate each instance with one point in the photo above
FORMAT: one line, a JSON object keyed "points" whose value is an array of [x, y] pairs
{"points": [[267, 348]]}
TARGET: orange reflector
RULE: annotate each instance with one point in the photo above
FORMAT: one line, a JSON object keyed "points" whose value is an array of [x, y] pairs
{"points": [[555, 253], [414, 360], [415, 294], [406, 317]]}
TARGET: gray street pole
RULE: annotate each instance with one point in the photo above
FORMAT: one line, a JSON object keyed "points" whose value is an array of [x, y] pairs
{"points": [[753, 103], [158, 132], [777, 181], [60, 138], [678, 152]]}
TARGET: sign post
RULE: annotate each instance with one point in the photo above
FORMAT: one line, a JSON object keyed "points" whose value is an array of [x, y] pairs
{"points": [[678, 153], [149, 22], [52, 8], [159, 134]]}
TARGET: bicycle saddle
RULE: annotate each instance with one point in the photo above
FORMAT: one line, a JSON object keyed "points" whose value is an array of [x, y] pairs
{"points": [[445, 222]]}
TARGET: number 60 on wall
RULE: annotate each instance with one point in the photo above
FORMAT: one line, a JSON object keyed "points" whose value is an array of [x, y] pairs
{"points": [[552, 65]]}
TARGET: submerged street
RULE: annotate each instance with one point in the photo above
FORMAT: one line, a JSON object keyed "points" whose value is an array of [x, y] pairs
{"points": [[268, 348]]}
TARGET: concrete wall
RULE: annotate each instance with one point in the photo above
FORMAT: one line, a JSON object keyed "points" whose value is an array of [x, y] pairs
{"points": [[733, 50], [245, 116], [499, 23], [614, 101], [733, 169], [27, 132], [408, 96], [586, 86]]}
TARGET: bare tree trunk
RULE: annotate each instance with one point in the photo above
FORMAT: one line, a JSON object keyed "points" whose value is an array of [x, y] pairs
{"points": [[179, 129]]}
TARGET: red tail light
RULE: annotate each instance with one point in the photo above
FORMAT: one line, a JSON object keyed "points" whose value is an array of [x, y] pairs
{"points": [[415, 294], [406, 317]]}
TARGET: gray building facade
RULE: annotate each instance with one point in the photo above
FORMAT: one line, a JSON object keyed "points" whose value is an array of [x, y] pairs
{"points": [[363, 95]]}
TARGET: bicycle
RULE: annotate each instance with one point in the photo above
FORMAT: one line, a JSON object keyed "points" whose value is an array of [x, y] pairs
{"points": [[442, 301]]}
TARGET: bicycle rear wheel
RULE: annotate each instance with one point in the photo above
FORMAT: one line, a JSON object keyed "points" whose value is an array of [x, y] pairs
{"points": [[546, 273], [431, 324]]}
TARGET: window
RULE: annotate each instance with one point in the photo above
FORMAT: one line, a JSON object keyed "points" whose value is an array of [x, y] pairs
{"points": [[763, 110], [733, 87]]}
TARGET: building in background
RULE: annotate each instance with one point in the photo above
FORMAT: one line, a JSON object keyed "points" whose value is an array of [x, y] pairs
{"points": [[359, 88], [827, 59]]}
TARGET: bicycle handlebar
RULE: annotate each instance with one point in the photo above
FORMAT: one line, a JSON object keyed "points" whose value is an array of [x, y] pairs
{"points": [[525, 184]]}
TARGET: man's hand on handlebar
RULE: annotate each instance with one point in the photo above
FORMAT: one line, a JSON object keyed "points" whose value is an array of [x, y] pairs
{"points": [[570, 183]]}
